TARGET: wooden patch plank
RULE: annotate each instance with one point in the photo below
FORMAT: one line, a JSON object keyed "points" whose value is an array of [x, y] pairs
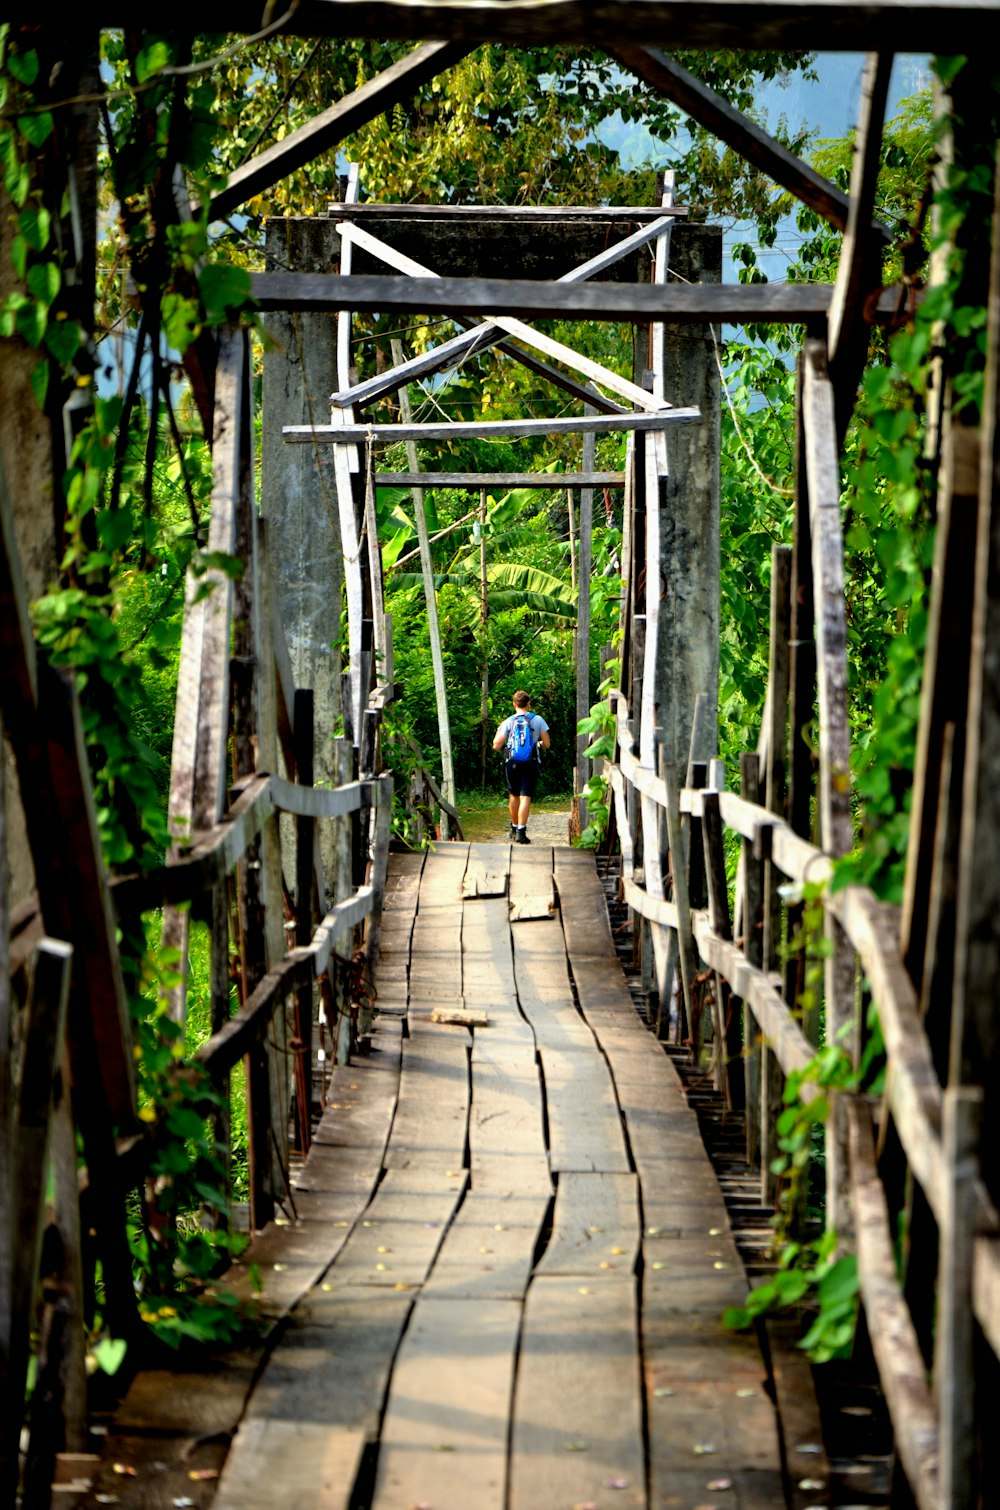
{"points": [[531, 888], [398, 1237], [585, 1130], [433, 1110], [489, 1248], [488, 870], [577, 1424], [596, 1228], [582, 906], [444, 1438]]}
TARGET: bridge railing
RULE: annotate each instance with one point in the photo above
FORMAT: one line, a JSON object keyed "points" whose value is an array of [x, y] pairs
{"points": [[756, 1026]]}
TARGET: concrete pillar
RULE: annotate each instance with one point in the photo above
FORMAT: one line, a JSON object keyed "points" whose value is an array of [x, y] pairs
{"points": [[687, 659], [298, 494]]}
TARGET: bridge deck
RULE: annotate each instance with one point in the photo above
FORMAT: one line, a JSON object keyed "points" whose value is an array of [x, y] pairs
{"points": [[511, 1253]]}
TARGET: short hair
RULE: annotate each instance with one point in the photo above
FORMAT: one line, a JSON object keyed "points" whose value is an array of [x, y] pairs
{"points": [[522, 700]]}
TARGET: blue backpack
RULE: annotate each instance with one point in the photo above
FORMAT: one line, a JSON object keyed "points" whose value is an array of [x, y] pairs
{"points": [[520, 738]]}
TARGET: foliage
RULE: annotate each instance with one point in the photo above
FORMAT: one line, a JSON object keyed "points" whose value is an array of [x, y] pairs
{"points": [[809, 1275]]}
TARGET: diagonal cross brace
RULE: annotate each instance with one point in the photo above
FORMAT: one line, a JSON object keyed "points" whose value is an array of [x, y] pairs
{"points": [[491, 332]]}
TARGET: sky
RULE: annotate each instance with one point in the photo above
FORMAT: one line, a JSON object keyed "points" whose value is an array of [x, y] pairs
{"points": [[828, 105]]}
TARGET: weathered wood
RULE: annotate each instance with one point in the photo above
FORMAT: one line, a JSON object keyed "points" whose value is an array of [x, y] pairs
{"points": [[457, 1360], [596, 1226], [488, 1251], [433, 625], [638, 304], [505, 428], [576, 1429], [902, 1374], [432, 1115], [954, 1358], [753, 947], [585, 1130], [858, 269], [488, 871], [476, 480], [41, 1055], [738, 131], [387, 89], [304, 870], [531, 888]]}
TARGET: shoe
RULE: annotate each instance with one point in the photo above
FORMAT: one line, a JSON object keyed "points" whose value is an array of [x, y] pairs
{"points": [[513, 832], [522, 838]]}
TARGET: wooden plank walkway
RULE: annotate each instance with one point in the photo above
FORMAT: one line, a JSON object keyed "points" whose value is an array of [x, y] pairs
{"points": [[511, 1253]]}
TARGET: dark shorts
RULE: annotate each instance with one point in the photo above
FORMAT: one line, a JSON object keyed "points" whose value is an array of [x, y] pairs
{"points": [[522, 776]]}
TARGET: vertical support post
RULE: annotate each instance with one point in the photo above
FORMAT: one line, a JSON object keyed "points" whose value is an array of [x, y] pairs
{"points": [[728, 1078], [583, 623], [753, 948], [305, 830], [954, 1362], [484, 688], [430, 595]]}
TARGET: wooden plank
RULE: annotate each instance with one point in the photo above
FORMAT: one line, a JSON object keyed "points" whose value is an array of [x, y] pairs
{"points": [[596, 1226], [431, 1122], [397, 1239], [476, 480], [488, 870], [738, 131], [576, 1430], [489, 1249], [627, 303], [444, 1437], [543, 989], [388, 88], [318, 1402], [585, 1131], [515, 429], [506, 1133]]}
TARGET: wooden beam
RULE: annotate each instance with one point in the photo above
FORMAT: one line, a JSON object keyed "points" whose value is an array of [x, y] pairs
{"points": [[826, 25], [477, 480], [378, 95], [600, 423], [546, 216], [859, 271], [640, 304], [738, 131]]}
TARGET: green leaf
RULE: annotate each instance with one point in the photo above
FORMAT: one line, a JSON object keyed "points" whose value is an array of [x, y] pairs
{"points": [[114, 528], [40, 382], [23, 66], [36, 129], [64, 339], [110, 1354], [151, 60], [19, 255], [35, 224], [44, 280], [224, 290]]}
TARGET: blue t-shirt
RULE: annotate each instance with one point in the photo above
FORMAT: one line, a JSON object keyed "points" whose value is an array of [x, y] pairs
{"points": [[538, 728]]}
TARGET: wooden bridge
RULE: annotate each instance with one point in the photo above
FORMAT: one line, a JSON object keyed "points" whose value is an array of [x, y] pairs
{"points": [[492, 1273], [509, 1254]]}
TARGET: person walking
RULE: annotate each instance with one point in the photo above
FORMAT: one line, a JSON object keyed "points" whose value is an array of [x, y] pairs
{"points": [[522, 735]]}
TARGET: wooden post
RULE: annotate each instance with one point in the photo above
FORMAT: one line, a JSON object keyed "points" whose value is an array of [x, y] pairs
{"points": [[728, 1065], [753, 948], [583, 624], [45, 1027], [484, 688], [684, 950], [430, 596], [954, 1361], [305, 829], [822, 465]]}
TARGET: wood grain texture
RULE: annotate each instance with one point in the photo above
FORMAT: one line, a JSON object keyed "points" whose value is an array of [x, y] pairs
{"points": [[489, 1248], [577, 1420], [596, 1226], [444, 1437]]}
